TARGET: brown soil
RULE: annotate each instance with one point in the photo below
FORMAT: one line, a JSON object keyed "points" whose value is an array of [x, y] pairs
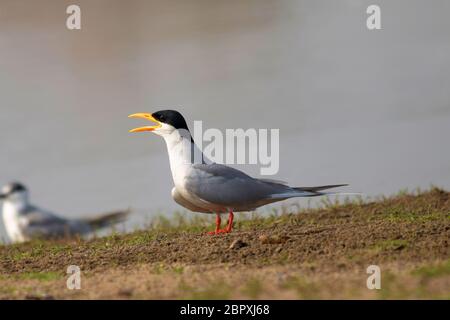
{"points": [[314, 254]]}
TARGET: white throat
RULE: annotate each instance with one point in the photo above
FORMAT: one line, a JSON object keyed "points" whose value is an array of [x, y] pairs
{"points": [[183, 153]]}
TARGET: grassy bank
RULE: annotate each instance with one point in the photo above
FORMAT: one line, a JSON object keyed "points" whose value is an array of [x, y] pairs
{"points": [[315, 253]]}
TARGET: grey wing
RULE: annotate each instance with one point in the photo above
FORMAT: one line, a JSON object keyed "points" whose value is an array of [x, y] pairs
{"points": [[219, 184], [38, 223]]}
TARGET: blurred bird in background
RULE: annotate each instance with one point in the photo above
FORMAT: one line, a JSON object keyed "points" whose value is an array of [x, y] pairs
{"points": [[24, 221]]}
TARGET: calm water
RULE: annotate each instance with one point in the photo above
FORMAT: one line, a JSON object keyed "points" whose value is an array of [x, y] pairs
{"points": [[371, 108]]}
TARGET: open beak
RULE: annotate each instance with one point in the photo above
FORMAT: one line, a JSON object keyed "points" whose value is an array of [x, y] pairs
{"points": [[147, 116]]}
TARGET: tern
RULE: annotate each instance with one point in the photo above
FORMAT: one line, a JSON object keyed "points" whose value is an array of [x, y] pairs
{"points": [[203, 186], [24, 222]]}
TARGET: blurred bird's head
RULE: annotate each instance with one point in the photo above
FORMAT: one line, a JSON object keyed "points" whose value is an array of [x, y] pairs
{"points": [[15, 192], [167, 121]]}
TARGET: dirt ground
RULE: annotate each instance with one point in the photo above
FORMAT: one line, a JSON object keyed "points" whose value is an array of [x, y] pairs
{"points": [[315, 254]]}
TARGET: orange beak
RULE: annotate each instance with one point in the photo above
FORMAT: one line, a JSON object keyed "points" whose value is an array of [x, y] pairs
{"points": [[147, 116]]}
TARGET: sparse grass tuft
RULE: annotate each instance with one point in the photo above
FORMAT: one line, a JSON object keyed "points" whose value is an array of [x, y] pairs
{"points": [[216, 290], [389, 245], [304, 288], [253, 288]]}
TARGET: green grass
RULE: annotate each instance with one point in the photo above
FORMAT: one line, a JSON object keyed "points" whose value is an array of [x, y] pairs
{"points": [[305, 289], [393, 287], [178, 269], [391, 209], [161, 226], [253, 288], [215, 290], [439, 270], [395, 229], [388, 245], [41, 276]]}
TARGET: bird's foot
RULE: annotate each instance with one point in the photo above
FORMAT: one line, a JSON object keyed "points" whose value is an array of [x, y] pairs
{"points": [[227, 229], [220, 231]]}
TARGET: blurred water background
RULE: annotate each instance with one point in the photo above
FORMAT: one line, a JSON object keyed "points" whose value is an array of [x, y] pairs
{"points": [[370, 108]]}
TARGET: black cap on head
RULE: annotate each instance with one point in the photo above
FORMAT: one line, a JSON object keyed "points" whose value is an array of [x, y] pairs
{"points": [[171, 117], [11, 188]]}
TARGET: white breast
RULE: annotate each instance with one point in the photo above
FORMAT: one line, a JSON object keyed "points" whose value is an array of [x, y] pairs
{"points": [[179, 150], [11, 219], [178, 164], [182, 155]]}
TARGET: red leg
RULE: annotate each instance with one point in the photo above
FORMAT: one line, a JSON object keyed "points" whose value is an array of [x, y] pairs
{"points": [[230, 222], [227, 229], [218, 222], [229, 225]]}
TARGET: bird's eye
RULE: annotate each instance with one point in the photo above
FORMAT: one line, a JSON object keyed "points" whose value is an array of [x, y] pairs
{"points": [[161, 118]]}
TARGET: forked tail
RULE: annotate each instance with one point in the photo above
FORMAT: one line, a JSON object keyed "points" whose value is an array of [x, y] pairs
{"points": [[308, 191], [317, 190]]}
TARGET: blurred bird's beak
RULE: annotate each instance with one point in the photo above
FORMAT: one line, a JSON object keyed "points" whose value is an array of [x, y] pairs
{"points": [[147, 116], [2, 196]]}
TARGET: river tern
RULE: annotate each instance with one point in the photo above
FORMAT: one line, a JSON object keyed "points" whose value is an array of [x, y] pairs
{"points": [[203, 186], [24, 221]]}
